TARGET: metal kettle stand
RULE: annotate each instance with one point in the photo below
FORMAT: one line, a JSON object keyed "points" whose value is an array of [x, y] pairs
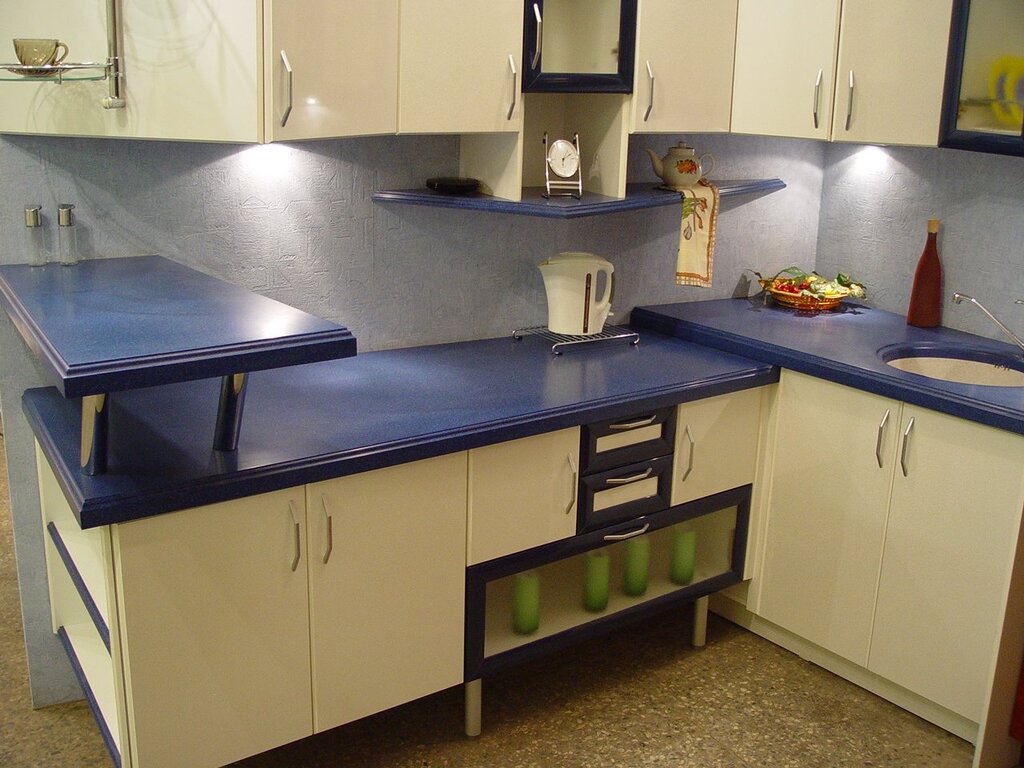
{"points": [[562, 341]]}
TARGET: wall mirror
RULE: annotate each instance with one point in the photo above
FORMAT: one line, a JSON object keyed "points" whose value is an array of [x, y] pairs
{"points": [[579, 46]]}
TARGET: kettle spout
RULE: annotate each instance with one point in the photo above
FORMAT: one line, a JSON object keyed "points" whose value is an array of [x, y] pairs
{"points": [[656, 162]]}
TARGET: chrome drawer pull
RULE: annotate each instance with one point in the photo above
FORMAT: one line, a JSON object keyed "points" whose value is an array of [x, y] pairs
{"points": [[817, 97], [540, 38], [849, 103], [630, 535], [572, 489], [633, 479], [288, 71], [906, 443], [298, 536], [330, 529], [693, 449], [634, 424], [515, 87], [650, 98], [878, 440]]}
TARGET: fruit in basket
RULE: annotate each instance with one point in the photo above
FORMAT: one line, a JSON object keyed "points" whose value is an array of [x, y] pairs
{"points": [[794, 287]]}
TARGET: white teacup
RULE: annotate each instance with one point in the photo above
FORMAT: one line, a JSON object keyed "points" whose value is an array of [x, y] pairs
{"points": [[39, 52]]}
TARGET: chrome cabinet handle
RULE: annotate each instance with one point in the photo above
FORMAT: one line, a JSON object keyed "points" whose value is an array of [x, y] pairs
{"points": [[817, 97], [630, 535], [540, 37], [298, 536], [572, 489], [693, 448], [288, 72], [515, 86], [634, 424], [330, 529], [650, 97], [878, 440], [632, 479], [906, 442], [849, 103]]}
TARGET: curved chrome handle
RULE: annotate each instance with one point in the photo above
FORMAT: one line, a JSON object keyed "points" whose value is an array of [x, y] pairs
{"points": [[634, 424], [849, 103], [630, 535], [540, 38], [572, 489], [817, 97], [878, 440], [298, 536], [330, 529], [632, 479], [650, 97], [288, 73], [515, 86], [906, 442], [693, 448]]}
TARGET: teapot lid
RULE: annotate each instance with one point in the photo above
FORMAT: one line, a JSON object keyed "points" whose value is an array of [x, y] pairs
{"points": [[680, 147]]}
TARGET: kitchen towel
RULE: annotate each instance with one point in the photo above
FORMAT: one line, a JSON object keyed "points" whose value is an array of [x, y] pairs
{"points": [[697, 235]]}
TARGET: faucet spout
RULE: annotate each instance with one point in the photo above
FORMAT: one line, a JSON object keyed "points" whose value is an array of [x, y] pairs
{"points": [[959, 297]]}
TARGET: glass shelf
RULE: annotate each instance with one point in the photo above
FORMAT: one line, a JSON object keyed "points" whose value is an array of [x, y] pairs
{"points": [[55, 73], [638, 196]]}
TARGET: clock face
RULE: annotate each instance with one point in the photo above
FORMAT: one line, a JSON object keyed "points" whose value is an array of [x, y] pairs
{"points": [[563, 158]]}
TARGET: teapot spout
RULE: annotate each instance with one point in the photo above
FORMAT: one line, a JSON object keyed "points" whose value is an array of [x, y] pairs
{"points": [[656, 162]]}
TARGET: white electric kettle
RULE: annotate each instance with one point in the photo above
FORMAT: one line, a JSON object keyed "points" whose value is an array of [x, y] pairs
{"points": [[570, 280]]}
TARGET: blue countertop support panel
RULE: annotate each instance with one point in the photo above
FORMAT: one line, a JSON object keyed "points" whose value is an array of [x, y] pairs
{"points": [[107, 325], [314, 422], [843, 346]]}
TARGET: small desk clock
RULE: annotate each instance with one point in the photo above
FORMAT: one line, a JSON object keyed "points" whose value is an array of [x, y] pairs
{"points": [[562, 158]]}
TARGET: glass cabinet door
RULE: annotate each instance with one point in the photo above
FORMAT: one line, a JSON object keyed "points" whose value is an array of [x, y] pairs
{"points": [[984, 100]]}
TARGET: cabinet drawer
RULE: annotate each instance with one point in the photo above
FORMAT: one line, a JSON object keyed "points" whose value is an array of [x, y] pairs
{"points": [[625, 493], [617, 442]]}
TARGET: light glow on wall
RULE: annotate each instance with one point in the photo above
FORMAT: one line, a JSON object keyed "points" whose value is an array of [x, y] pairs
{"points": [[268, 162], [870, 161]]}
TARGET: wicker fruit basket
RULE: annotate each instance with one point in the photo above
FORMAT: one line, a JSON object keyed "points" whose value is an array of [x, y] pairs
{"points": [[805, 303]]}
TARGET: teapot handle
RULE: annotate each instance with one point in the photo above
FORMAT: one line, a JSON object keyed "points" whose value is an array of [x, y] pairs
{"points": [[706, 163]]}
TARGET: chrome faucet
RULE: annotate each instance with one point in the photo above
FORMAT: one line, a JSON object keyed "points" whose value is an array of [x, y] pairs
{"points": [[958, 297]]}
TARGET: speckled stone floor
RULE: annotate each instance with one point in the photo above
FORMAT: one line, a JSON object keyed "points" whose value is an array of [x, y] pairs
{"points": [[640, 697]]}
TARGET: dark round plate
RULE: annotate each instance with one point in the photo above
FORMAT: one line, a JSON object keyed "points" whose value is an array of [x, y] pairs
{"points": [[453, 185]]}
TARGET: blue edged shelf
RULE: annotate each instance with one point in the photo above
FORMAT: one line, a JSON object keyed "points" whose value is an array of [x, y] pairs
{"points": [[638, 196]]}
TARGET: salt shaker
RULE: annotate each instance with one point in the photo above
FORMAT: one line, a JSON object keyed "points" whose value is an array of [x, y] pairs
{"points": [[67, 235], [34, 245]]}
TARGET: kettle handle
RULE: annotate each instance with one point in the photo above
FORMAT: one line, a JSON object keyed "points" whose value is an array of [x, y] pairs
{"points": [[603, 308]]}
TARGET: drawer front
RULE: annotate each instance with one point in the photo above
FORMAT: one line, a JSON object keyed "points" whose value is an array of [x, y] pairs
{"points": [[618, 442], [625, 493]]}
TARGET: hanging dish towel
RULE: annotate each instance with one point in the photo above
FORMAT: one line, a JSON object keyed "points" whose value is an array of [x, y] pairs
{"points": [[697, 235]]}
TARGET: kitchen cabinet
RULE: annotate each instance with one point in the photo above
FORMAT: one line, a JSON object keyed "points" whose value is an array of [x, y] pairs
{"points": [[903, 568], [522, 493], [387, 568], [805, 70], [459, 66], [983, 106], [331, 68], [684, 66]]}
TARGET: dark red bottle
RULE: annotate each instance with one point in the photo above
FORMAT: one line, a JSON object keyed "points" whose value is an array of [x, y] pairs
{"points": [[925, 308]]}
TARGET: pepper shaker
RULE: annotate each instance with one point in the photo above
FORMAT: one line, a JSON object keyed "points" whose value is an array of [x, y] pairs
{"points": [[67, 235]]}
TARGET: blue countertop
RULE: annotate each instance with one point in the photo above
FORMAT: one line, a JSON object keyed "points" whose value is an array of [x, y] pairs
{"points": [[842, 346], [106, 325], [314, 422]]}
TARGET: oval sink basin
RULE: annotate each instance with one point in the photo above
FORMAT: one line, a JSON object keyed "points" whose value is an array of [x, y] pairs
{"points": [[979, 367]]}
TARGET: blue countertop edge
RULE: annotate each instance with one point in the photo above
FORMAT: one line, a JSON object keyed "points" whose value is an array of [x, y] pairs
{"points": [[54, 421], [946, 398]]}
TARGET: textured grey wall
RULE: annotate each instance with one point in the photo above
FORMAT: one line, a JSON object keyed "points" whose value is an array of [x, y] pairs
{"points": [[873, 222], [295, 222]]}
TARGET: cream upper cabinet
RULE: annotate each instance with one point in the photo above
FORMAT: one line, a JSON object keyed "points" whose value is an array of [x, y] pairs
{"points": [[522, 493], [331, 68], [891, 72], [460, 66], [387, 569], [949, 547], [214, 630], [785, 67], [684, 66]]}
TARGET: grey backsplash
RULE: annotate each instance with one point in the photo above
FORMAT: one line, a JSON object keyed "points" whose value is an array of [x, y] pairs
{"points": [[296, 222]]}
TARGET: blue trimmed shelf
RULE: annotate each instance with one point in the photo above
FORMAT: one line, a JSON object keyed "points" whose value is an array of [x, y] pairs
{"points": [[638, 196]]}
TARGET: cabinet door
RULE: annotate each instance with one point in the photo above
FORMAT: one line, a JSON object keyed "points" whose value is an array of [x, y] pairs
{"points": [[454, 70], [692, 80], [388, 605], [877, 101], [344, 60], [785, 62], [716, 444], [949, 547], [827, 512], [522, 493], [214, 622]]}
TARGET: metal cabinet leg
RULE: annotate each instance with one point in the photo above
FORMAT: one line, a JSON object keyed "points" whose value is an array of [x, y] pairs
{"points": [[474, 699], [700, 621]]}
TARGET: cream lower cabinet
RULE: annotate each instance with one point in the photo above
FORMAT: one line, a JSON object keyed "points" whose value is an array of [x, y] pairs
{"points": [[387, 570], [903, 565], [522, 493]]}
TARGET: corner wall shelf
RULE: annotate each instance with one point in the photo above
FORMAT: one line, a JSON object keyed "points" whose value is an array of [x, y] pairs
{"points": [[638, 196]]}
